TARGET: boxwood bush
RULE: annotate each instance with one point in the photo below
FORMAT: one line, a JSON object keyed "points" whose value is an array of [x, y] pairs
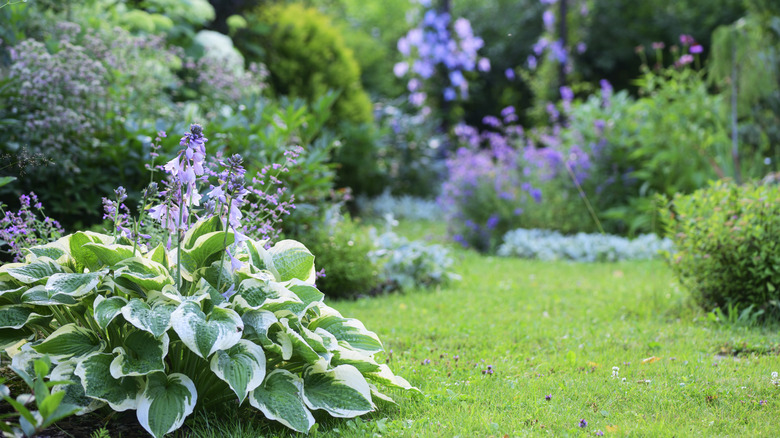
{"points": [[727, 238]]}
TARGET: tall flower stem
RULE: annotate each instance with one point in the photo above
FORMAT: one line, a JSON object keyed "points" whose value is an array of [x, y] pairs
{"points": [[178, 238], [224, 244]]}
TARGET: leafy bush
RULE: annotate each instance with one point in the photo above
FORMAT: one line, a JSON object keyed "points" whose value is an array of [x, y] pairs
{"points": [[265, 130], [552, 245], [411, 264], [306, 57], [727, 239], [343, 249]]}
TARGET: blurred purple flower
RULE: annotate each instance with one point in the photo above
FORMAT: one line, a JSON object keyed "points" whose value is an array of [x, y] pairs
{"points": [[696, 48]]}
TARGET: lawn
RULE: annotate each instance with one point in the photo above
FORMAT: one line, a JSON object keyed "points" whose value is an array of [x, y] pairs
{"points": [[552, 332]]}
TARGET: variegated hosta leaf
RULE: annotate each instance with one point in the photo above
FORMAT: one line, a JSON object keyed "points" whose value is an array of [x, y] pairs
{"points": [[140, 354], [106, 309], [378, 396], [12, 336], [25, 358], [40, 296], [293, 260], [159, 255], [279, 398], [260, 258], [147, 274], [36, 272], [254, 294], [95, 373], [346, 329], [363, 362], [83, 257], [53, 250], [154, 318], [299, 345], [13, 294], [305, 291], [171, 293], [74, 393], [256, 325], [70, 341], [242, 367], [341, 391], [166, 402], [17, 316], [199, 228], [204, 247], [75, 285], [204, 335], [386, 377], [109, 255]]}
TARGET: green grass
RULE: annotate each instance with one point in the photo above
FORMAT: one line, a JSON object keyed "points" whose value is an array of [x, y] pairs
{"points": [[557, 329]]}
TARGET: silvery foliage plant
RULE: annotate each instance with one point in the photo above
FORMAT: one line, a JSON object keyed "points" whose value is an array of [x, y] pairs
{"points": [[408, 264], [582, 247], [217, 320]]}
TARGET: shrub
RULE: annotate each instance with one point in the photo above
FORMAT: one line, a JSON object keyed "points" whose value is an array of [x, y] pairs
{"points": [[343, 249], [407, 265], [582, 247], [727, 240], [306, 57]]}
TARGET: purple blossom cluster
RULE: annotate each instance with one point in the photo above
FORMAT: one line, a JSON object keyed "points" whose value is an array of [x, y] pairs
{"points": [[439, 42], [29, 226], [551, 44], [498, 171]]}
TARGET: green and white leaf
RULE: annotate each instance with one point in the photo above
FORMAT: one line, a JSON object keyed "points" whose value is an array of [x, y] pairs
{"points": [[70, 341], [166, 402], [256, 325], [95, 373], [170, 292], [154, 318], [341, 391], [346, 329], [12, 336], [200, 228], [279, 398], [363, 362], [82, 255], [147, 274], [36, 272], [255, 294], [293, 260], [13, 294], [299, 345], [242, 367], [111, 254], [305, 291], [204, 247], [40, 296], [75, 285], [204, 335], [159, 255], [386, 377], [260, 258], [53, 250], [17, 316], [106, 309], [140, 354], [74, 393]]}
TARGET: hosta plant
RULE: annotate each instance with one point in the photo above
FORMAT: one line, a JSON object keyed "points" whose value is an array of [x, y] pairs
{"points": [[136, 329]]}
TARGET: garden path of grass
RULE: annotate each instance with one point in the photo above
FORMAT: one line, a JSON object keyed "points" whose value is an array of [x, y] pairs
{"points": [[557, 328]]}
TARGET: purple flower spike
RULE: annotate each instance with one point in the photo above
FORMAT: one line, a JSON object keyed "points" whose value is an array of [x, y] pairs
{"points": [[583, 423]]}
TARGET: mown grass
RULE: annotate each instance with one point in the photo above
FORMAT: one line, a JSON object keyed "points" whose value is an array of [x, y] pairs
{"points": [[556, 329]]}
